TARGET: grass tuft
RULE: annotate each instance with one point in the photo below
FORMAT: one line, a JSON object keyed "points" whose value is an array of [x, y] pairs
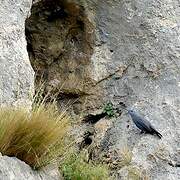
{"points": [[76, 167], [37, 138], [135, 173]]}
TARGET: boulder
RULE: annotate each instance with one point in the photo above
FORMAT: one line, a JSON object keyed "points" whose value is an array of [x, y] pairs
{"points": [[12, 168]]}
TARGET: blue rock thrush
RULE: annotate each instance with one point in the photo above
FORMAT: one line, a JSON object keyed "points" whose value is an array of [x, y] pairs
{"points": [[144, 125]]}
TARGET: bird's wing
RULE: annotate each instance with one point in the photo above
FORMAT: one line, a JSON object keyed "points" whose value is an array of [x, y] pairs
{"points": [[150, 126], [145, 124]]}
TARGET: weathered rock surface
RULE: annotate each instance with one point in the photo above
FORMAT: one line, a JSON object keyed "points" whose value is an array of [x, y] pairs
{"points": [[12, 168], [134, 58], [60, 38], [16, 73], [143, 37]]}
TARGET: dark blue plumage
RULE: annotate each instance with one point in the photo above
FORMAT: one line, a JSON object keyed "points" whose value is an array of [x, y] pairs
{"points": [[143, 124]]}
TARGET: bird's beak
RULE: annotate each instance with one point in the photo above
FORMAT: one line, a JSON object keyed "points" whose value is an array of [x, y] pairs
{"points": [[126, 111]]}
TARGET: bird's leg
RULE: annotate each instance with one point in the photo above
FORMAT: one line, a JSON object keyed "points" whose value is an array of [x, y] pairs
{"points": [[142, 132]]}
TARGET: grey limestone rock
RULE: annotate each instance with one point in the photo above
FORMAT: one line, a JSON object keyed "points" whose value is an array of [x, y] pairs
{"points": [[12, 168], [16, 73], [137, 62]]}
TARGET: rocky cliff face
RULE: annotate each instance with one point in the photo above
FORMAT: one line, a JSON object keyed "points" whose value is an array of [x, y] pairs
{"points": [[131, 53], [123, 51], [16, 74], [143, 37], [16, 80]]}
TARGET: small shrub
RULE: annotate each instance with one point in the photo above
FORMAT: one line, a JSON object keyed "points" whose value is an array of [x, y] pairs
{"points": [[109, 109], [37, 138], [75, 167]]}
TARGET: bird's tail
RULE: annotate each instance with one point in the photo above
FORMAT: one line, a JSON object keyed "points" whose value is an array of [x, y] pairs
{"points": [[158, 134]]}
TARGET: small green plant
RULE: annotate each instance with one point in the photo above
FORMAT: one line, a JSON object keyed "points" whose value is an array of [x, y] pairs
{"points": [[76, 167], [37, 138], [109, 109]]}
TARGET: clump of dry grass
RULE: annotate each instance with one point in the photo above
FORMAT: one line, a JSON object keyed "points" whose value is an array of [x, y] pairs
{"points": [[118, 158], [136, 173], [35, 137]]}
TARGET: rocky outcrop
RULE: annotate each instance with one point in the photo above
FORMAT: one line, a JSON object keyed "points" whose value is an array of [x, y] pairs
{"points": [[16, 73], [61, 37], [12, 168], [129, 52]]}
